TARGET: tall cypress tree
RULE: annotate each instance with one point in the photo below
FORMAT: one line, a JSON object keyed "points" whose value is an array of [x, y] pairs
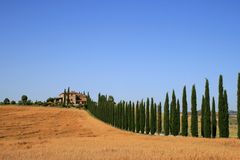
{"points": [[214, 120], [220, 107], [226, 116], [142, 118], [207, 114], [173, 114], [238, 105], [202, 116], [184, 113], [178, 117], [133, 118], [68, 96], [152, 117], [137, 118], [166, 116], [155, 118], [130, 116], [64, 98], [147, 117], [194, 117], [159, 118]]}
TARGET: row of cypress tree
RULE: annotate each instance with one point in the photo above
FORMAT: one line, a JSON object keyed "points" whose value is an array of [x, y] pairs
{"points": [[146, 116]]}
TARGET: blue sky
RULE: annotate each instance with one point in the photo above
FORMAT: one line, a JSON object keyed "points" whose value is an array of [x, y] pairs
{"points": [[128, 49]]}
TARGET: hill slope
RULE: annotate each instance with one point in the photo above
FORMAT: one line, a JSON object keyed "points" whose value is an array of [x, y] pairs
{"points": [[55, 133]]}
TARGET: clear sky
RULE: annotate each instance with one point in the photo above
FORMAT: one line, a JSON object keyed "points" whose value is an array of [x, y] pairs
{"points": [[128, 49]]}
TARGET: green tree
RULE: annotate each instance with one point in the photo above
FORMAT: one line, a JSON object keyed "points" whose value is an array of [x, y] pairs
{"points": [[166, 116], [152, 117], [184, 113], [137, 117], [142, 117], [6, 101], [147, 117], [68, 97], [178, 117], [173, 114], [194, 117], [202, 116], [225, 116], [133, 118], [64, 98], [220, 107], [238, 105], [24, 99], [207, 114], [159, 118], [214, 120]]}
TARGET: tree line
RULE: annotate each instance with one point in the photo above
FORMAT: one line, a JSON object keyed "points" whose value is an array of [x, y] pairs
{"points": [[146, 117]]}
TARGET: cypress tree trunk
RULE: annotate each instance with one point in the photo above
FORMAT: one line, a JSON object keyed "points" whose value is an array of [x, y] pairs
{"points": [[207, 114], [214, 121], [202, 116], [226, 116], [166, 116], [147, 118], [159, 118], [238, 105], [220, 107], [173, 115], [184, 113], [178, 117], [194, 117]]}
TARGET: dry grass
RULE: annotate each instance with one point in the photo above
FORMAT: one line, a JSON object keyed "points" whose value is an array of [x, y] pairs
{"points": [[53, 133]]}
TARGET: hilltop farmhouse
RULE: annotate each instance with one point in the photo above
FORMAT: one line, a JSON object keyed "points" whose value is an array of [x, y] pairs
{"points": [[75, 98]]}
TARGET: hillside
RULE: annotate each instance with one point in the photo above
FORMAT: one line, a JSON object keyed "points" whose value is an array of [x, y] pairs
{"points": [[56, 133]]}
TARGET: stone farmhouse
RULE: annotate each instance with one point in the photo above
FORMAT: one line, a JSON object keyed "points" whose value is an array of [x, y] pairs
{"points": [[75, 98]]}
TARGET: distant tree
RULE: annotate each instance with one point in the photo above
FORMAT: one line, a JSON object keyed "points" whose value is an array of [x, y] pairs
{"points": [[13, 102], [152, 117], [129, 116], [178, 117], [202, 116], [184, 113], [207, 114], [147, 117], [137, 117], [194, 117], [214, 120], [221, 107], [65, 94], [166, 116], [142, 117], [133, 118], [238, 105], [173, 114], [159, 118], [225, 116], [68, 97], [6, 101], [50, 99], [24, 99]]}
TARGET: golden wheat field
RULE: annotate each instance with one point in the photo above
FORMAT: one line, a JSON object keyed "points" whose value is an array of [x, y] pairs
{"points": [[60, 134]]}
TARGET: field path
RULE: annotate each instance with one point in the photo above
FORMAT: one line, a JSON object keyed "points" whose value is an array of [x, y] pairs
{"points": [[60, 134]]}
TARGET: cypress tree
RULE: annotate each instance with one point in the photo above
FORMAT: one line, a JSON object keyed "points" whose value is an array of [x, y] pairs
{"points": [[220, 107], [214, 120], [184, 113], [147, 117], [152, 116], [173, 118], [207, 114], [202, 116], [238, 105], [166, 116], [178, 117], [126, 116], [64, 98], [155, 118], [130, 117], [194, 117], [159, 118], [142, 119], [137, 118], [68, 94], [133, 118], [226, 116]]}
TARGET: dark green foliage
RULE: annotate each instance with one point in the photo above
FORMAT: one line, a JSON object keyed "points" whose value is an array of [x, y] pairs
{"points": [[202, 116], [129, 116], [64, 98], [24, 99], [68, 97], [173, 116], [6, 101], [207, 114], [152, 117], [194, 117], [220, 107], [166, 116], [13, 102], [225, 116], [133, 118], [159, 118], [214, 120], [238, 105], [184, 113], [155, 118], [178, 117], [137, 118], [142, 117], [147, 117]]}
